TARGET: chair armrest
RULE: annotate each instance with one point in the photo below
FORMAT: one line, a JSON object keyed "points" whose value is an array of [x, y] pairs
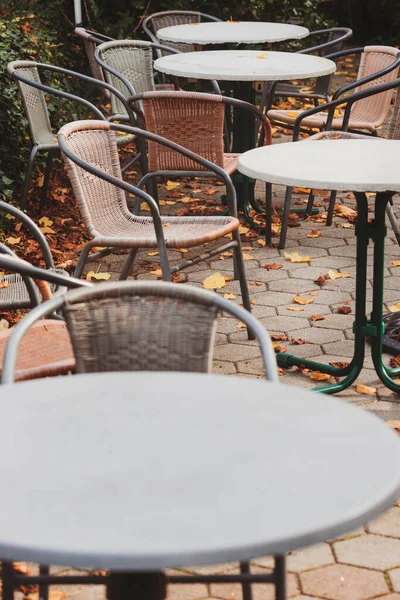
{"points": [[346, 35], [364, 80]]}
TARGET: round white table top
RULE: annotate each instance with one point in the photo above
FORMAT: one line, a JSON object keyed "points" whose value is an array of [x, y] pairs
{"points": [[141, 471], [244, 65], [239, 32], [353, 165]]}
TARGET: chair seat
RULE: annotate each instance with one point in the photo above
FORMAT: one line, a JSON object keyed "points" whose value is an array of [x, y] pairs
{"points": [[13, 292], [179, 232], [44, 351], [230, 162], [318, 121]]}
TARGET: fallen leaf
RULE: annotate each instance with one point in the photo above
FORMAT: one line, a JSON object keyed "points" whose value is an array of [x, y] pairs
{"points": [[178, 277], [47, 230], [186, 199], [320, 280], [243, 229], [228, 277], [211, 191], [277, 347], [281, 372], [365, 389], [343, 310], [394, 424], [278, 337], [295, 308], [315, 233], [214, 281], [247, 256], [395, 307], [258, 283], [396, 263], [332, 274], [4, 284], [184, 250], [241, 325], [339, 365], [301, 190], [145, 207], [261, 242], [45, 221], [98, 276], [230, 296], [318, 376], [295, 257], [347, 225], [13, 240], [300, 341], [345, 211], [263, 55], [273, 267], [155, 253], [313, 293], [395, 361], [302, 300], [172, 185], [157, 272], [317, 318]]}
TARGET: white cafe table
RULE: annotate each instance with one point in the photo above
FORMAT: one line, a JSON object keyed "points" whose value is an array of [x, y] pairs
{"points": [[350, 165], [138, 472], [231, 32], [242, 68]]}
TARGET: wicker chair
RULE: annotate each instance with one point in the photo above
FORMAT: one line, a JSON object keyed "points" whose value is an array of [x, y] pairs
{"points": [[378, 64], [46, 350], [168, 18], [195, 121], [33, 93], [327, 41], [106, 215], [91, 39], [141, 326]]}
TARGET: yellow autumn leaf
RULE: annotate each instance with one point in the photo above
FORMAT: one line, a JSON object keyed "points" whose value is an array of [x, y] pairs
{"points": [[261, 242], [365, 389], [241, 325], [46, 222], [243, 229], [257, 283], [172, 185], [302, 300], [318, 376], [332, 274], [13, 240], [47, 230], [292, 115], [230, 296], [395, 308], [157, 272], [295, 257], [182, 250], [347, 225], [186, 199], [262, 55], [98, 276], [214, 281], [247, 256], [396, 263], [144, 206], [295, 308], [315, 233], [154, 253]]}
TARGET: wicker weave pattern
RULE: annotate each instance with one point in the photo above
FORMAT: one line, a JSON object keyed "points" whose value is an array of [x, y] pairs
{"points": [[134, 60], [95, 68], [193, 120], [15, 293], [36, 109], [103, 206], [131, 333], [161, 20], [394, 128]]}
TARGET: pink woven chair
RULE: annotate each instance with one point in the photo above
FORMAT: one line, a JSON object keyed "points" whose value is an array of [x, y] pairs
{"points": [[91, 39], [193, 120], [91, 159], [378, 64]]}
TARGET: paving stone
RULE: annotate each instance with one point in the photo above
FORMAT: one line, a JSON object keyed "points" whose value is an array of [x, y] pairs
{"points": [[387, 524], [275, 298], [310, 558], [254, 367], [336, 322], [303, 350], [311, 252], [343, 251], [293, 286], [394, 576], [223, 367], [371, 551], [350, 534], [266, 276], [236, 352], [341, 582], [310, 273], [322, 242], [240, 337], [227, 325], [283, 324], [318, 335], [194, 591], [334, 262], [260, 310], [307, 312], [262, 591], [214, 569], [332, 296]]}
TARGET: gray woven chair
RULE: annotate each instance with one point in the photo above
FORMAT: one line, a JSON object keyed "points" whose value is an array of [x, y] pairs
{"points": [[168, 18], [91, 159], [33, 93], [141, 326]]}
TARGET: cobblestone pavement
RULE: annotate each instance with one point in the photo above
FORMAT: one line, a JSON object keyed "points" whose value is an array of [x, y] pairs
{"points": [[364, 564]]}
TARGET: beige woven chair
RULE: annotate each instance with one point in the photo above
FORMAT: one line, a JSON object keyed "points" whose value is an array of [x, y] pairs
{"points": [[193, 120], [91, 159], [91, 39], [378, 64]]}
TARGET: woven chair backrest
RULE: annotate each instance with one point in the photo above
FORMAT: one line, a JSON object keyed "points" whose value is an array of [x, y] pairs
{"points": [[124, 331], [394, 127], [171, 18], [134, 60], [95, 68], [100, 202], [375, 108], [35, 105], [191, 119]]}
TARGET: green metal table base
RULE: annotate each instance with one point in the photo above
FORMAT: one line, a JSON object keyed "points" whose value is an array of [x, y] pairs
{"points": [[363, 327]]}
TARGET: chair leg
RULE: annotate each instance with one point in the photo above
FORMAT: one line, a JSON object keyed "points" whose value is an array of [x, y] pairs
{"points": [[331, 207], [239, 262], [128, 265], [285, 217], [28, 176], [44, 588], [49, 163], [280, 577], [310, 204], [82, 260], [268, 213], [393, 220], [246, 587], [7, 579]]}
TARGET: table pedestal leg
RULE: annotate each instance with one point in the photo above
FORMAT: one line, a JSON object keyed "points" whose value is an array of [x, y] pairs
{"points": [[132, 586], [362, 327]]}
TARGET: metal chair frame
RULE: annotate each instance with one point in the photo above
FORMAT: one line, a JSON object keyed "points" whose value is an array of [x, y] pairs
{"points": [[167, 271], [36, 67], [148, 25], [91, 39]]}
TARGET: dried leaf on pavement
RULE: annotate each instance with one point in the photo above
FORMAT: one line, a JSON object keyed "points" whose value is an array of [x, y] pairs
{"points": [[46, 222], [273, 267], [343, 310], [318, 376], [365, 389], [332, 274], [295, 257], [278, 337], [395, 307], [230, 296], [302, 300], [247, 256], [317, 318], [171, 185], [214, 281], [396, 263], [315, 233], [11, 241], [295, 308], [98, 276]]}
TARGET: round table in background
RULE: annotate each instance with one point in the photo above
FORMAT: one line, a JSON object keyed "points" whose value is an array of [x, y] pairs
{"points": [[231, 32], [241, 68], [137, 472], [350, 165]]}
